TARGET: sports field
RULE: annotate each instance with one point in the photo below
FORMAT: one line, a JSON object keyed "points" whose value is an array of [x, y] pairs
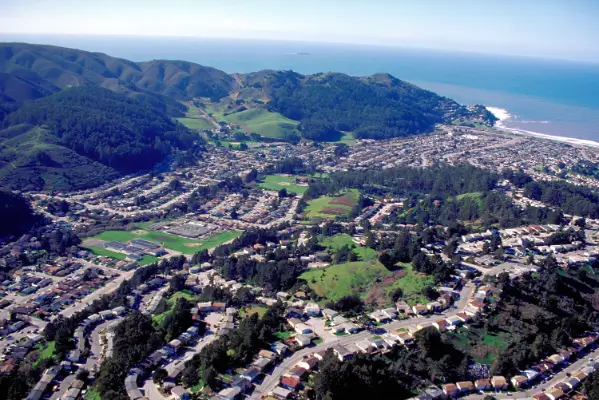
{"points": [[171, 242], [278, 182]]}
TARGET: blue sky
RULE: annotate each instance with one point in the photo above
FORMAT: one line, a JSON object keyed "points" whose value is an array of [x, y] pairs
{"points": [[567, 29]]}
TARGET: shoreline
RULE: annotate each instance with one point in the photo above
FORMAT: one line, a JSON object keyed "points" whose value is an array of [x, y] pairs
{"points": [[503, 115]]}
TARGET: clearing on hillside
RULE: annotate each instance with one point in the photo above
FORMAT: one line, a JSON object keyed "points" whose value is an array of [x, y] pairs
{"points": [[327, 207]]}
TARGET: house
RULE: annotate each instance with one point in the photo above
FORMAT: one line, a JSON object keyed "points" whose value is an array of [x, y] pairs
{"points": [[378, 316], [420, 309], [297, 371], [230, 393], [281, 393], [450, 389], [293, 322], [390, 312], [267, 354], [251, 374], [402, 307], [365, 346], [261, 363], [499, 382], [434, 392], [572, 382], [308, 363], [341, 352], [441, 325], [329, 314], [179, 393], [555, 394], [303, 329], [312, 310], [290, 382], [279, 348], [563, 387], [465, 386], [483, 384], [241, 383], [303, 340], [541, 396], [518, 381]]}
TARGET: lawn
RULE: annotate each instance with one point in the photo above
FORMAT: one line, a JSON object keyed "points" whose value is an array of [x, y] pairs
{"points": [[334, 243], [99, 251], [264, 122], [327, 207], [344, 279], [413, 283], [284, 335], [198, 123], [92, 394], [171, 242], [278, 182], [347, 138], [182, 294], [147, 259], [368, 279], [47, 351], [474, 196], [249, 310]]}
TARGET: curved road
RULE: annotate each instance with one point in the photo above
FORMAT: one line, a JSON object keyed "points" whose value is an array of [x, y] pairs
{"points": [[272, 380]]}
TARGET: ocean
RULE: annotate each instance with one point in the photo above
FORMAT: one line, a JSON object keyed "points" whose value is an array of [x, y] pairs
{"points": [[551, 97]]}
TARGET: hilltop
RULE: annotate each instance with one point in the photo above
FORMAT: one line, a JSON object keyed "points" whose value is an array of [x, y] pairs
{"points": [[74, 118]]}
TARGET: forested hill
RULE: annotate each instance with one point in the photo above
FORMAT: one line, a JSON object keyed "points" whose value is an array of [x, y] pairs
{"points": [[83, 136], [33, 71], [376, 107]]}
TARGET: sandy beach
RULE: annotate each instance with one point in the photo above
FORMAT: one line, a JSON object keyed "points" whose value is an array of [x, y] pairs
{"points": [[504, 115]]}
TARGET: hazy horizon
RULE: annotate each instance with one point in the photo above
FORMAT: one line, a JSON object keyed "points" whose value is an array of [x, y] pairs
{"points": [[555, 29]]}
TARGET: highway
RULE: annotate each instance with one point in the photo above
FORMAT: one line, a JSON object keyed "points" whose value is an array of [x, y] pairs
{"points": [[271, 381]]}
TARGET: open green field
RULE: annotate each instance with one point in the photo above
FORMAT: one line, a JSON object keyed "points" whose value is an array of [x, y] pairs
{"points": [[344, 279], [182, 294], [278, 182], [171, 242], [264, 122], [147, 259], [198, 123], [99, 251], [334, 243], [327, 207], [347, 138], [369, 279], [249, 310]]}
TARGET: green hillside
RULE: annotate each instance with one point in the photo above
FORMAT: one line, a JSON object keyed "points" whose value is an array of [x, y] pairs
{"points": [[266, 123]]}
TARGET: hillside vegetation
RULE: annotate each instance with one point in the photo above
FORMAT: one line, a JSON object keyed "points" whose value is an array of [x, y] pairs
{"points": [[83, 136]]}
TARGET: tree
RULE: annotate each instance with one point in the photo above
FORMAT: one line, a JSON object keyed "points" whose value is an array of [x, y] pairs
{"points": [[177, 283], [396, 294], [159, 375], [387, 260], [282, 193]]}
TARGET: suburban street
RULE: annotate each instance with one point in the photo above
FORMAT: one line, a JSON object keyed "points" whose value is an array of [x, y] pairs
{"points": [[271, 381]]}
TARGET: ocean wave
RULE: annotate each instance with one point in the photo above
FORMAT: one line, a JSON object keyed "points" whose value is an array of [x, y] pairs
{"points": [[500, 113], [539, 135]]}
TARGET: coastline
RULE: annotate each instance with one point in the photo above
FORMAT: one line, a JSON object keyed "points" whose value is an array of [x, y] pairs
{"points": [[503, 115]]}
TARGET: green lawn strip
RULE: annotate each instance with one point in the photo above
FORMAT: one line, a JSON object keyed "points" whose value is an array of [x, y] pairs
{"points": [[147, 259], [334, 243], [278, 182], [474, 196], [283, 335], [99, 251], [346, 138]]}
